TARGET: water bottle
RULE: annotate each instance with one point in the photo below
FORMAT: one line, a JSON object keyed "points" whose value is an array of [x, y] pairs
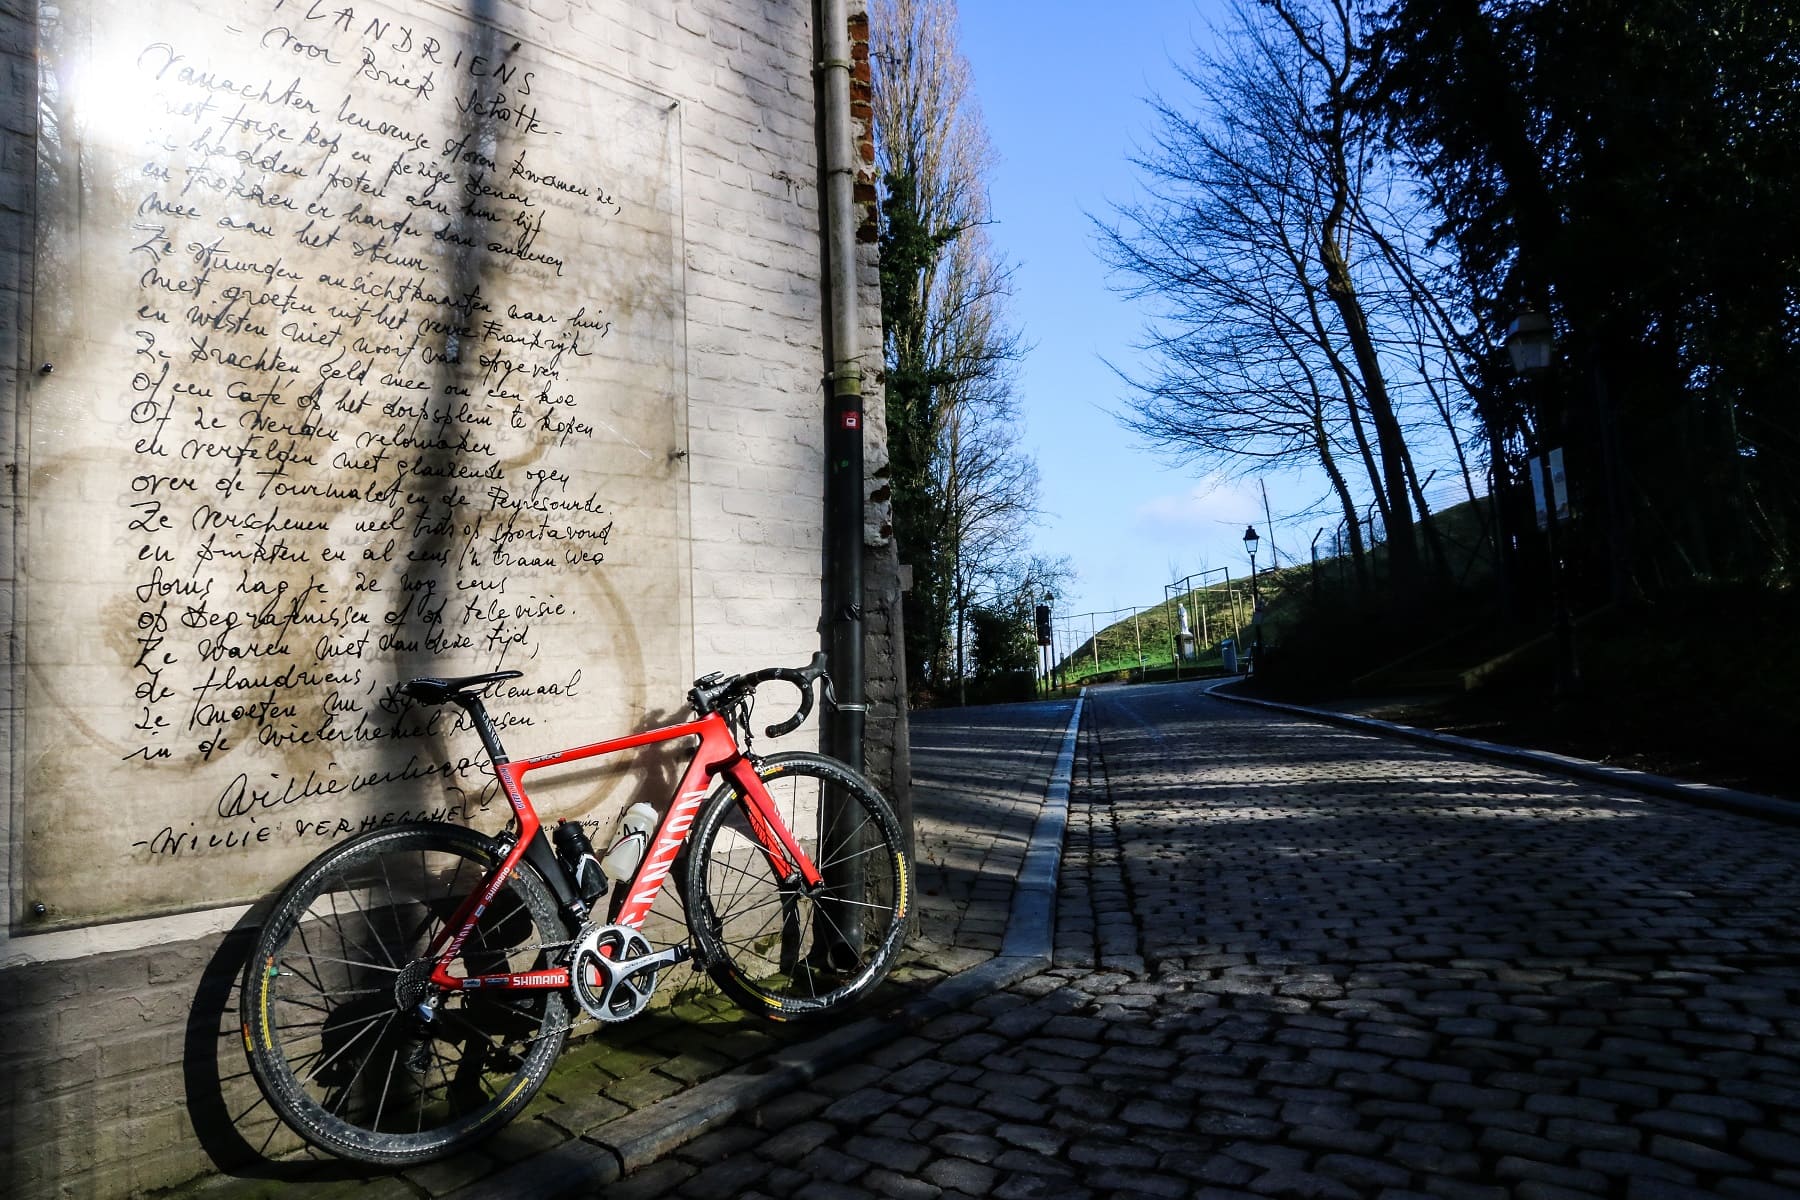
{"points": [[577, 854], [629, 842]]}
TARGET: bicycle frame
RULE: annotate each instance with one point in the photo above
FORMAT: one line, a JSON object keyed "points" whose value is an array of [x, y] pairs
{"points": [[717, 755]]}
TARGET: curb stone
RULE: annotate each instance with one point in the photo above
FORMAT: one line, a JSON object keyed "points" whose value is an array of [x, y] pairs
{"points": [[1030, 930], [607, 1154], [1769, 808]]}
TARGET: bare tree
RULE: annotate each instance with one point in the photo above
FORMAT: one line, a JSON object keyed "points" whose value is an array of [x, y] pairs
{"points": [[990, 493], [963, 491], [1267, 351]]}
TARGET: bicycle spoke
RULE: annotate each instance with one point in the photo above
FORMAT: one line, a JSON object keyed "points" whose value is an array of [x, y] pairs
{"points": [[469, 1029], [849, 903], [755, 935], [852, 857], [803, 934], [289, 998], [348, 962], [298, 1061], [843, 939], [369, 921], [734, 912], [737, 911], [345, 1048], [345, 940], [360, 1022], [450, 1080], [448, 897], [381, 1104], [513, 1011], [386, 1019], [318, 978], [321, 1009], [747, 877], [344, 1060], [413, 942]]}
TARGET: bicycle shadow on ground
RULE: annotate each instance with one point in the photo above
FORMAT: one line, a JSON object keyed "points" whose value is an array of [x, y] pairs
{"points": [[232, 1121]]}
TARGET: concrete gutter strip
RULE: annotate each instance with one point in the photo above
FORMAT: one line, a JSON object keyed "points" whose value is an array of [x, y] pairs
{"points": [[1031, 927], [1769, 808], [633, 1141]]}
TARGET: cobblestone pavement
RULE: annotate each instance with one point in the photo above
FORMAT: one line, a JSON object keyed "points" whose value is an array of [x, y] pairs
{"points": [[979, 780], [1298, 961]]}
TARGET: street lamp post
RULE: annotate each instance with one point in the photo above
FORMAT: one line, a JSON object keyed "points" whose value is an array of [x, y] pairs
{"points": [[1531, 344], [1250, 543]]}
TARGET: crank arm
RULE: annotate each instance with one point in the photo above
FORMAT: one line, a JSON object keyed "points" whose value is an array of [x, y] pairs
{"points": [[619, 968]]}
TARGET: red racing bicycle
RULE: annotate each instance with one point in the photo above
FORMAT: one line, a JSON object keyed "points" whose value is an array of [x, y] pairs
{"points": [[412, 986]]}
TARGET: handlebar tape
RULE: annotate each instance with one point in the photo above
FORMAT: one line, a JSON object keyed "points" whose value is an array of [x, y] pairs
{"points": [[726, 692], [804, 682]]}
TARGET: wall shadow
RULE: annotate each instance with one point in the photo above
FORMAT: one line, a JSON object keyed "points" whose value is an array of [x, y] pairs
{"points": [[233, 1123]]}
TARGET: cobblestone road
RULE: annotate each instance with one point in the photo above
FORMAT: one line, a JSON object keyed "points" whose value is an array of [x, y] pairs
{"points": [[1295, 961]]}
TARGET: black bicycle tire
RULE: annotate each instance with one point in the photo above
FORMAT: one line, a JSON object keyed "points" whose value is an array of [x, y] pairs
{"points": [[704, 925], [264, 1033]]}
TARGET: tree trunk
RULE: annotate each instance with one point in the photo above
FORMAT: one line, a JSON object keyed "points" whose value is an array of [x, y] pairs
{"points": [[1346, 501], [1434, 538], [1403, 557]]}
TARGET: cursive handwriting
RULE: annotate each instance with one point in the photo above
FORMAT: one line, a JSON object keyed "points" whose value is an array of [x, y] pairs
{"points": [[354, 414]]}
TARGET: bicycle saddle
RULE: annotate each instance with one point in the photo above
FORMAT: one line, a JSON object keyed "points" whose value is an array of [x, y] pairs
{"points": [[427, 689]]}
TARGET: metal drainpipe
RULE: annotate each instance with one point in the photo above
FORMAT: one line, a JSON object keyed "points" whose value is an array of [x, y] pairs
{"points": [[844, 440]]}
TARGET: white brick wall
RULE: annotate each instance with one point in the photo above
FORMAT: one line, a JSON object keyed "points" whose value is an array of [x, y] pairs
{"points": [[94, 1100]]}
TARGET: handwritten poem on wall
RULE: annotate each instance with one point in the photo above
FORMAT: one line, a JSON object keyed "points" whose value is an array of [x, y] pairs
{"points": [[360, 333]]}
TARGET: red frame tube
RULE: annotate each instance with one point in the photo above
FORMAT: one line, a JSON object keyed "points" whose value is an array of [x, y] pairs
{"points": [[717, 754]]}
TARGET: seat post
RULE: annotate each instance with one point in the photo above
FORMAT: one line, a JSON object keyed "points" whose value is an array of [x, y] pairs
{"points": [[470, 702]]}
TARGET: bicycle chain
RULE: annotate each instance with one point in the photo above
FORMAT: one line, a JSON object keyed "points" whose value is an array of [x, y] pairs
{"points": [[578, 1019], [565, 944]]}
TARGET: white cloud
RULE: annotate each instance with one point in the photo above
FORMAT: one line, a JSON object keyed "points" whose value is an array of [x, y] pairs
{"points": [[1202, 526], [1213, 508]]}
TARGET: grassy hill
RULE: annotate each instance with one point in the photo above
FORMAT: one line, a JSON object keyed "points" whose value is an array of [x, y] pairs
{"points": [[1141, 646]]}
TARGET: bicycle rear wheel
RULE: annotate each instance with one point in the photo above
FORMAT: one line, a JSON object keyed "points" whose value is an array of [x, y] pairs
{"points": [[331, 1026], [774, 946]]}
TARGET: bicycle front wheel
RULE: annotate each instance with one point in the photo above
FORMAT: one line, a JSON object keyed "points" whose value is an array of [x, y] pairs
{"points": [[777, 947], [331, 997]]}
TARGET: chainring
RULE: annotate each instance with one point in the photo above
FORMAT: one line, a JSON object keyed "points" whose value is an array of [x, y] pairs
{"points": [[603, 991]]}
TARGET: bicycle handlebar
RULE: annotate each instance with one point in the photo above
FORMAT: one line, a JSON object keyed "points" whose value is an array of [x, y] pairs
{"points": [[713, 692]]}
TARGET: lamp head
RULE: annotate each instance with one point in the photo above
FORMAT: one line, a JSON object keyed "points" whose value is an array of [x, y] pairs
{"points": [[1530, 342]]}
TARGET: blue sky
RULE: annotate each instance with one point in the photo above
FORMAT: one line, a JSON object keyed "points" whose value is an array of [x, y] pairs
{"points": [[1062, 88]]}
